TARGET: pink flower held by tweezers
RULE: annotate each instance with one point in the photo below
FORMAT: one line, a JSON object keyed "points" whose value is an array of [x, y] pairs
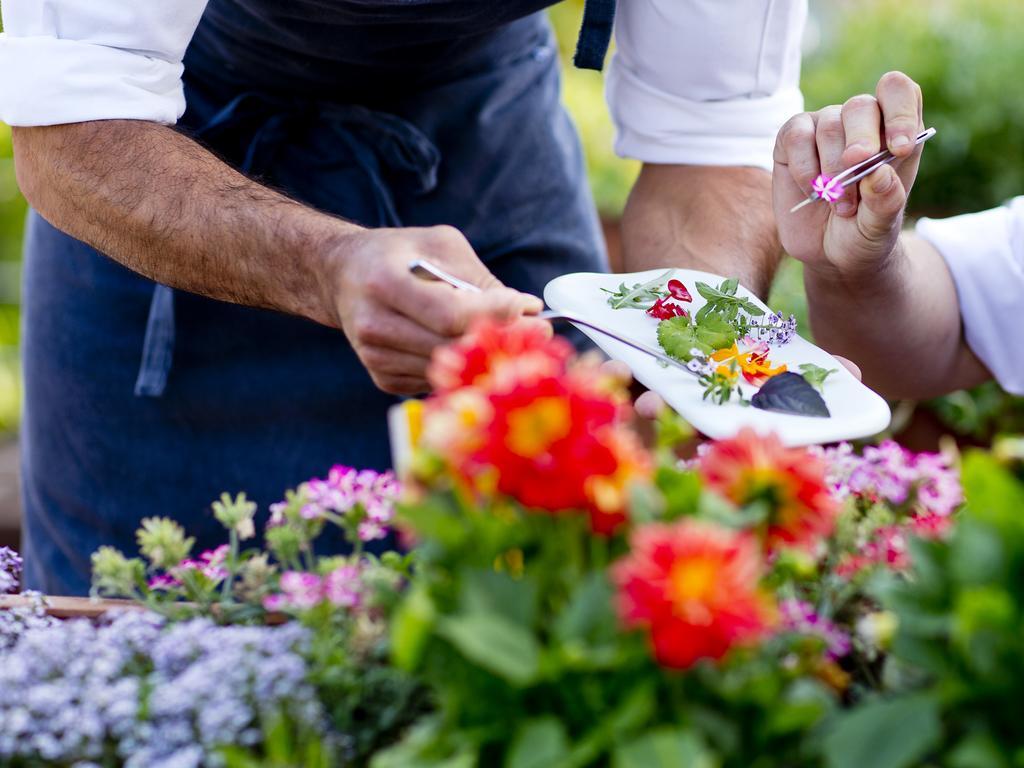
{"points": [[828, 189]]}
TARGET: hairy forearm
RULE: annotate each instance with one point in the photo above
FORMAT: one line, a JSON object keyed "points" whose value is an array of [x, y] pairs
{"points": [[900, 323], [710, 218], [160, 204]]}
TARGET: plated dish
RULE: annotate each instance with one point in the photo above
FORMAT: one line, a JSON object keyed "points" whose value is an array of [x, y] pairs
{"points": [[747, 366]]}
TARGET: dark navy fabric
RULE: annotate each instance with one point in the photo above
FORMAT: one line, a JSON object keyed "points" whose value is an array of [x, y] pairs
{"points": [[256, 400], [595, 34]]}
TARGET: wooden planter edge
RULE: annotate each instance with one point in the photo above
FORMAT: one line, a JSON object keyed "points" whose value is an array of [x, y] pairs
{"points": [[70, 607]]}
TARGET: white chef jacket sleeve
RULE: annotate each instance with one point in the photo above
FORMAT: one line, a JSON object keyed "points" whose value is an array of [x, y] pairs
{"points": [[705, 82], [985, 254], [69, 61]]}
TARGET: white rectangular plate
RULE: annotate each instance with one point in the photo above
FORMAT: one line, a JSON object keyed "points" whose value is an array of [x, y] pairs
{"points": [[856, 410]]}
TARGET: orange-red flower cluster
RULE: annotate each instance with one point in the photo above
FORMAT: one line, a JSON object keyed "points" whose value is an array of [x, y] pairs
{"points": [[695, 587], [511, 415], [791, 481]]}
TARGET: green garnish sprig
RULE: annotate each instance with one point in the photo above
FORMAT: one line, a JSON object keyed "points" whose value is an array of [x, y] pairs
{"points": [[725, 304], [640, 295], [815, 375]]}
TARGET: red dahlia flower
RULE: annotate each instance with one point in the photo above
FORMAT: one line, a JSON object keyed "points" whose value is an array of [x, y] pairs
{"points": [[695, 588], [517, 420], [750, 468], [498, 355]]}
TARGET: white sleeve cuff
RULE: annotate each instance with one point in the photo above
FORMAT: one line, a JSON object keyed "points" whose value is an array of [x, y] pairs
{"points": [[985, 255], [657, 127], [51, 81]]}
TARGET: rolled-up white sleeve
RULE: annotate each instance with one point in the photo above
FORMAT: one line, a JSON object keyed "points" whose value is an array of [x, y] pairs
{"points": [[69, 61], [705, 82], [985, 254]]}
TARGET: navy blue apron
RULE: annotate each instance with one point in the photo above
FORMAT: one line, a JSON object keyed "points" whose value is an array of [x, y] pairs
{"points": [[145, 401]]}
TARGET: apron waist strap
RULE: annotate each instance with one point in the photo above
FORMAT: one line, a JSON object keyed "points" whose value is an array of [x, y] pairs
{"points": [[595, 34]]}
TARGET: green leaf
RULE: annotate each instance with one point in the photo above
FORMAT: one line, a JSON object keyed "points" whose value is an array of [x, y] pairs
{"points": [[589, 611], [993, 494], [815, 375], [495, 643], [538, 743], [488, 591], [640, 295], [681, 489], [411, 626], [885, 734], [677, 337], [716, 332], [664, 748]]}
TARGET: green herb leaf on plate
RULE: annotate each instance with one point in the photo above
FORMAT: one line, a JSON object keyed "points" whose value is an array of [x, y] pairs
{"points": [[640, 295], [815, 374], [677, 336]]}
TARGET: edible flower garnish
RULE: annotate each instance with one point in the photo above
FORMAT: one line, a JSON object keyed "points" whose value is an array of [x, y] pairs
{"points": [[678, 291], [666, 307], [753, 363], [827, 188]]}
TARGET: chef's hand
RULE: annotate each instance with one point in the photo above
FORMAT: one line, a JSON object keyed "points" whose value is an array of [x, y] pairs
{"points": [[854, 236], [393, 319]]}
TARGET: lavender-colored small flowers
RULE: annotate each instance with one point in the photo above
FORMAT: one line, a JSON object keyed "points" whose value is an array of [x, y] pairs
{"points": [[10, 570], [774, 329], [801, 618], [153, 695]]}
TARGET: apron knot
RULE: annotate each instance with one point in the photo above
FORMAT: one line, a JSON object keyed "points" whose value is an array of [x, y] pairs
{"points": [[388, 150]]}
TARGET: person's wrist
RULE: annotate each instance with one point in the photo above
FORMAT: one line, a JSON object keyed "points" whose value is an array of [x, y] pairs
{"points": [[856, 273], [330, 262], [859, 276]]}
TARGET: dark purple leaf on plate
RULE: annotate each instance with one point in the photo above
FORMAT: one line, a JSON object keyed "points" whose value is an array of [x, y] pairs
{"points": [[790, 393]]}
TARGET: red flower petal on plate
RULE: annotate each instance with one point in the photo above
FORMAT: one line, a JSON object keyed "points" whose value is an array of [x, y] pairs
{"points": [[678, 291]]}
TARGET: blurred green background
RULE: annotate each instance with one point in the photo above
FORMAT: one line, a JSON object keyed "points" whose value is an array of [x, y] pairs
{"points": [[967, 55]]}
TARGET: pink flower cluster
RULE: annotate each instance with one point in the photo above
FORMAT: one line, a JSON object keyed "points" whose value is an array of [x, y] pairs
{"points": [[924, 486], [345, 489], [210, 563], [342, 587], [800, 617], [887, 546], [925, 483]]}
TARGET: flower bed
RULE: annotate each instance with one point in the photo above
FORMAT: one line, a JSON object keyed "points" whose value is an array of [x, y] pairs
{"points": [[565, 596]]}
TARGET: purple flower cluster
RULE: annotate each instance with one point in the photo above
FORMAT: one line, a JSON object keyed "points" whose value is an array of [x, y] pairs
{"points": [[925, 481], [10, 570], [153, 695], [342, 587], [800, 617], [344, 490], [774, 329], [15, 622]]}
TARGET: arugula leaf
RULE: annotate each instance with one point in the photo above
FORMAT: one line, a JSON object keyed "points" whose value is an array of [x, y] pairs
{"points": [[815, 374], [677, 337], [790, 393], [640, 296]]}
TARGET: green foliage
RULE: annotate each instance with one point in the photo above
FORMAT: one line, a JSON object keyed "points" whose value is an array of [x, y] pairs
{"points": [[511, 622], [960, 644], [12, 217], [966, 55]]}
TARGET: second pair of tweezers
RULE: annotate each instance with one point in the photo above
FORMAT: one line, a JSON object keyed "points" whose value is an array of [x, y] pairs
{"points": [[831, 189]]}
